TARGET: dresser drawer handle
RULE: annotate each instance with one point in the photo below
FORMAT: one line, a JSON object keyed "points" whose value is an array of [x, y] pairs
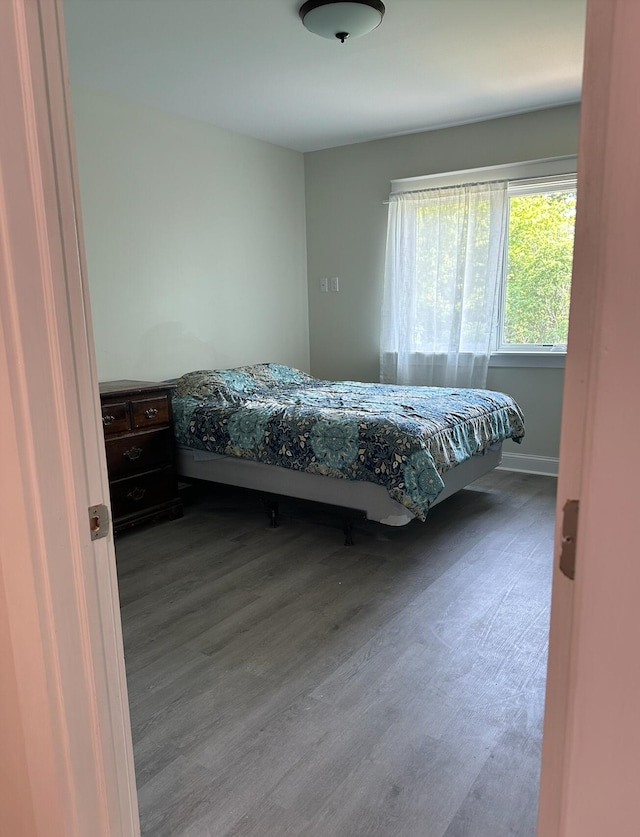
{"points": [[151, 412], [107, 420], [133, 453], [136, 494]]}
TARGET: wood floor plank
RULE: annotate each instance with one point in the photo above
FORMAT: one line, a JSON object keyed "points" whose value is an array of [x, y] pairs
{"points": [[270, 819], [410, 785], [175, 799], [503, 801], [284, 684], [203, 707]]}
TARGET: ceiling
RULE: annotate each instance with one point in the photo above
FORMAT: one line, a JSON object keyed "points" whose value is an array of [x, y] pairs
{"points": [[251, 67]]}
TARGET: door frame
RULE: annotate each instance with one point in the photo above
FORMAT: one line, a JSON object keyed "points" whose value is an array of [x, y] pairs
{"points": [[67, 765]]}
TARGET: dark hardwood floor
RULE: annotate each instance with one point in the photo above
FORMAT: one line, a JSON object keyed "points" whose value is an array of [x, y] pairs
{"points": [[282, 684]]}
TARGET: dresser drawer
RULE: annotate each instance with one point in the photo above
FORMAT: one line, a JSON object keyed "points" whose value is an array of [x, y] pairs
{"points": [[150, 412], [138, 430], [136, 452], [115, 417], [136, 494]]}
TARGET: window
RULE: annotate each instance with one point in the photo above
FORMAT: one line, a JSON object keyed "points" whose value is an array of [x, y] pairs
{"points": [[526, 287], [534, 305]]}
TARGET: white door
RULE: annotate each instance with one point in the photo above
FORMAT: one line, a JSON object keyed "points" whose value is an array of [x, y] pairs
{"points": [[66, 768], [591, 750]]}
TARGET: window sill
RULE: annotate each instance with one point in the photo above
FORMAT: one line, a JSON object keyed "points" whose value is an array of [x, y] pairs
{"points": [[541, 360]]}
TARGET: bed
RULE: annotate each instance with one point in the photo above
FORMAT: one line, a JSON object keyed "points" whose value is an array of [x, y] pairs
{"points": [[390, 452]]}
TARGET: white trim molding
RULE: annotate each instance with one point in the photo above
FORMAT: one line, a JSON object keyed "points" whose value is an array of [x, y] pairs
{"points": [[530, 464], [529, 169], [545, 360]]}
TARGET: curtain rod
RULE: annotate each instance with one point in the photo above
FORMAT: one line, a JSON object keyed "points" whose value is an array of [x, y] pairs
{"points": [[551, 177]]}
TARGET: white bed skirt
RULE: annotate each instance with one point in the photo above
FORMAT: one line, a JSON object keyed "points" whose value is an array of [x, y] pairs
{"points": [[367, 497]]}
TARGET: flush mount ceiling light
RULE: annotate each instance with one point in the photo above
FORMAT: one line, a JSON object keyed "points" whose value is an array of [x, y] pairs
{"points": [[341, 19]]}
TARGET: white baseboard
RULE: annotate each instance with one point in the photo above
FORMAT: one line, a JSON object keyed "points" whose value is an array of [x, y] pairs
{"points": [[527, 464]]}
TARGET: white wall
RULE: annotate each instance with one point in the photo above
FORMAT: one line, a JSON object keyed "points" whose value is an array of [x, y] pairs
{"points": [[346, 228], [195, 241]]}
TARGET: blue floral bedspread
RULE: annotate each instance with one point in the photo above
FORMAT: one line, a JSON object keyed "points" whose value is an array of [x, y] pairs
{"points": [[402, 437]]}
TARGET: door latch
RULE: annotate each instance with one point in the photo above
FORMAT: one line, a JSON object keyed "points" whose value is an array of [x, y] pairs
{"points": [[98, 522], [569, 538]]}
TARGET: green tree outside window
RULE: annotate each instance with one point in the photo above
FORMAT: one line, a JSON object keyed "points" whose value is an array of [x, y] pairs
{"points": [[539, 263]]}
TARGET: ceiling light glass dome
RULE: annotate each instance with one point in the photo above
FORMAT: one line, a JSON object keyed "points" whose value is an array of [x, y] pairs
{"points": [[341, 19]]}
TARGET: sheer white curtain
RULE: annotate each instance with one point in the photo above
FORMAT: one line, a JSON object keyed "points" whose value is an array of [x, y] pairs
{"points": [[444, 261]]}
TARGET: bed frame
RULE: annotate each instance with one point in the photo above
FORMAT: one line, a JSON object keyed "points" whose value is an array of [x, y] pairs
{"points": [[365, 497]]}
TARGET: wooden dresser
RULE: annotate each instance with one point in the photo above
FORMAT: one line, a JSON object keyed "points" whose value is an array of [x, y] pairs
{"points": [[138, 430]]}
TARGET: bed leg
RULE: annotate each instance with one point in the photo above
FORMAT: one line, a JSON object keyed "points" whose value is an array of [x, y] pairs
{"points": [[272, 511], [347, 528]]}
